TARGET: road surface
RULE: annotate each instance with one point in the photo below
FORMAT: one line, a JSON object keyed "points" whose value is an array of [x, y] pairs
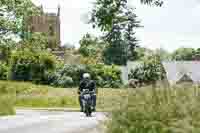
{"points": [[27, 121]]}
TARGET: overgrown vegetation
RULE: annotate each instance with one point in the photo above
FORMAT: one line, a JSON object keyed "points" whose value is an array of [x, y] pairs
{"points": [[3, 71], [7, 100], [158, 110], [70, 75], [30, 95], [149, 71]]}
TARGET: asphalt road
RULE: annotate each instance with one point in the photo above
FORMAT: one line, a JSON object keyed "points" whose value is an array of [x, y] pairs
{"points": [[28, 121]]}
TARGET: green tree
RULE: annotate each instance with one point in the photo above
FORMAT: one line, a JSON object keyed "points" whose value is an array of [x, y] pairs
{"points": [[6, 47], [36, 42], [129, 36], [117, 21], [143, 52], [183, 54], [91, 48], [12, 14]]}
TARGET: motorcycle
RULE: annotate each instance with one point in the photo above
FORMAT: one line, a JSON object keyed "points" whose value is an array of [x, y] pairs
{"points": [[87, 102]]}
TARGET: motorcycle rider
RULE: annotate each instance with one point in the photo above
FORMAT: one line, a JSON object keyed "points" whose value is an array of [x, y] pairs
{"points": [[87, 83]]}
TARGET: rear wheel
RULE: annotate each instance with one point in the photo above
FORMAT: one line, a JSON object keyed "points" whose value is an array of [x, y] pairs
{"points": [[88, 111]]}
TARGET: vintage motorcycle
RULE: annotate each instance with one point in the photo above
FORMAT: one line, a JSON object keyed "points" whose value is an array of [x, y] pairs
{"points": [[87, 102]]}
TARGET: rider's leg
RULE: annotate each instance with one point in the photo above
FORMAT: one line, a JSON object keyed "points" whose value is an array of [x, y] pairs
{"points": [[80, 102], [94, 98]]}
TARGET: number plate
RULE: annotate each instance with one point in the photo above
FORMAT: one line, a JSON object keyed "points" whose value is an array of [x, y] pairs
{"points": [[87, 96]]}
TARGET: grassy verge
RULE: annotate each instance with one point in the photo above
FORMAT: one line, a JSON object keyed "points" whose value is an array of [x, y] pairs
{"points": [[7, 100], [150, 110], [37, 96]]}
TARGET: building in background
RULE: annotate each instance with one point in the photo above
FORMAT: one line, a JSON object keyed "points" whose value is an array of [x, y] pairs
{"points": [[182, 71], [48, 23]]}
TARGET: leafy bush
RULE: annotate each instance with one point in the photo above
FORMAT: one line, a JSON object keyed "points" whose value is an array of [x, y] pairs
{"points": [[27, 65], [148, 72], [67, 76], [70, 75], [106, 76], [3, 71], [174, 110]]}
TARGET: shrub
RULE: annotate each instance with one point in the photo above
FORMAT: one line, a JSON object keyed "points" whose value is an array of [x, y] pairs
{"points": [[70, 75], [106, 76], [149, 72], [27, 65], [64, 81], [67, 76], [150, 110], [3, 71]]}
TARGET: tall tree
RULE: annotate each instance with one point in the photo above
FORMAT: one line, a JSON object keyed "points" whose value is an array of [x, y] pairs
{"points": [[117, 21]]}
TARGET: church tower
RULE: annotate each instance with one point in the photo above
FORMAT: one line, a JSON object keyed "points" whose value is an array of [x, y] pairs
{"points": [[48, 23]]}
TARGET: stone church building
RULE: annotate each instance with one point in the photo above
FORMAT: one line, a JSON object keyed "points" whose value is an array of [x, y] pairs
{"points": [[48, 23]]}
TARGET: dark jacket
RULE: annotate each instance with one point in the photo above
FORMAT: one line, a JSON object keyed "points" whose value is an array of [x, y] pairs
{"points": [[87, 84]]}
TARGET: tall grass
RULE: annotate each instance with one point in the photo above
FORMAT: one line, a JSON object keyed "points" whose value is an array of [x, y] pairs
{"points": [[30, 95], [7, 100], [158, 110]]}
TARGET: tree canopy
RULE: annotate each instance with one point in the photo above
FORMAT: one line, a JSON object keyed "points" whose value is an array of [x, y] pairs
{"points": [[183, 54], [118, 22], [12, 14]]}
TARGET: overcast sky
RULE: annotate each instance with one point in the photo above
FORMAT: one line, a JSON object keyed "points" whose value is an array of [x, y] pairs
{"points": [[176, 24]]}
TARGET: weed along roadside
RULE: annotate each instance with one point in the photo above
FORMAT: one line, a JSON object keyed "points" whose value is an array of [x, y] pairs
{"points": [[158, 110], [7, 100], [39, 97], [141, 110]]}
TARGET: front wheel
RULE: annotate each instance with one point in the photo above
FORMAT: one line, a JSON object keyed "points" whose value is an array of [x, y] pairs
{"points": [[88, 112]]}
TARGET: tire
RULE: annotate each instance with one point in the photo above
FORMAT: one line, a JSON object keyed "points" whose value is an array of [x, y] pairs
{"points": [[88, 111]]}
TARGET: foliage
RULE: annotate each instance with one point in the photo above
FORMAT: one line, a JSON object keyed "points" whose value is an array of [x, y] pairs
{"points": [[36, 41], [182, 54], [118, 23], [91, 48], [157, 110], [31, 95], [106, 76], [7, 100], [12, 14], [149, 71], [3, 71], [70, 75], [142, 53], [27, 65], [6, 47]]}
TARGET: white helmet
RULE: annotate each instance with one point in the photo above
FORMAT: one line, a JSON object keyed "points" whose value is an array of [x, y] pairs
{"points": [[86, 75]]}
